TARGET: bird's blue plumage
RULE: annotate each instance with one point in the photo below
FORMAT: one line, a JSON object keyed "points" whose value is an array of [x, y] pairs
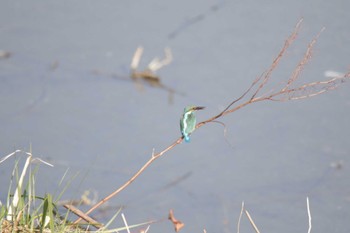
{"points": [[188, 122]]}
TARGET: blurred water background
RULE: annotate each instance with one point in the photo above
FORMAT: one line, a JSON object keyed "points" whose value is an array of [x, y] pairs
{"points": [[58, 94]]}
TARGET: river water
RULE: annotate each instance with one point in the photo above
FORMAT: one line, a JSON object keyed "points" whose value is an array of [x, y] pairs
{"points": [[65, 93]]}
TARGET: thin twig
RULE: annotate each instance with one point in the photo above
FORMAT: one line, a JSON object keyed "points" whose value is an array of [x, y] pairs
{"points": [[303, 62], [84, 216], [275, 63]]}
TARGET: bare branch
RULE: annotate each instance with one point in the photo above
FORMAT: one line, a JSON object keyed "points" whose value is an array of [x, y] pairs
{"points": [[262, 79], [285, 93], [127, 183], [309, 89], [303, 62], [275, 63]]}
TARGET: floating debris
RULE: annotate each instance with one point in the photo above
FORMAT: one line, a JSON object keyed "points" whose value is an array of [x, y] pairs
{"points": [[54, 65], [4, 54], [177, 223], [148, 75]]}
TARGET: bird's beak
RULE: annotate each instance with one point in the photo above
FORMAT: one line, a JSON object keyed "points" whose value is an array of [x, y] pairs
{"points": [[198, 108]]}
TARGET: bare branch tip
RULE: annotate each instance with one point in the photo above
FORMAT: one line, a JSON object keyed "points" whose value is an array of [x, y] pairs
{"points": [[299, 23]]}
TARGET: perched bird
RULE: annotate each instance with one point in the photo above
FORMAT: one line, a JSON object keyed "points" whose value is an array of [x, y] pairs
{"points": [[188, 121]]}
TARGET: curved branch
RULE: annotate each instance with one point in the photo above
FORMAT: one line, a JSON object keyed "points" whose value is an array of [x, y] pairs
{"points": [[137, 174], [286, 92]]}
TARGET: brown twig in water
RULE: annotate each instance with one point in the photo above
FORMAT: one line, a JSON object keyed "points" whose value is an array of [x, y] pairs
{"points": [[285, 93], [84, 216]]}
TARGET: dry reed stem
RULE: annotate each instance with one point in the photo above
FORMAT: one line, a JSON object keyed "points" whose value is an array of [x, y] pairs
{"points": [[240, 217], [308, 214], [249, 218], [252, 222], [125, 223], [287, 92], [256, 228]]}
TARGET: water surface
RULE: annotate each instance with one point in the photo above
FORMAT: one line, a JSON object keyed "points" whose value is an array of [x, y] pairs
{"points": [[103, 129]]}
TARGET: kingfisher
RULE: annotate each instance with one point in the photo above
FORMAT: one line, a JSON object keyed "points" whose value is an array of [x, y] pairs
{"points": [[188, 121]]}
